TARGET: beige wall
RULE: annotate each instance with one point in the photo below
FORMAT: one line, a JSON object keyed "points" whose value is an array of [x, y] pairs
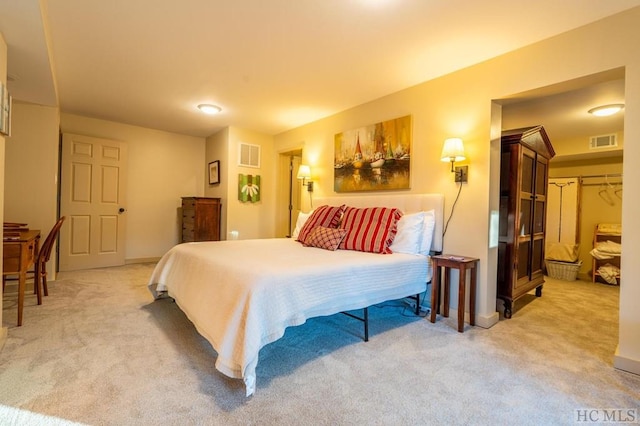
{"points": [[163, 167], [217, 148], [251, 220], [31, 170], [245, 220], [460, 104], [3, 78]]}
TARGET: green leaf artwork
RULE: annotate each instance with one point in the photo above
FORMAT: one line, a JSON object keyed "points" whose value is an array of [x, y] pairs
{"points": [[248, 188]]}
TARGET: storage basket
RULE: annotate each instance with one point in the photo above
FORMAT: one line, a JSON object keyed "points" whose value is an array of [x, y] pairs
{"points": [[566, 271]]}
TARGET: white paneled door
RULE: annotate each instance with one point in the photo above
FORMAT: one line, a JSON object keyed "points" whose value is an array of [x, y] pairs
{"points": [[93, 195]]}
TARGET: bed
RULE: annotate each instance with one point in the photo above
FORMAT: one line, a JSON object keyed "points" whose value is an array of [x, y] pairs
{"points": [[242, 294]]}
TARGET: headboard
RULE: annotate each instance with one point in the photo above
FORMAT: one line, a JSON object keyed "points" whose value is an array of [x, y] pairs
{"points": [[408, 203]]}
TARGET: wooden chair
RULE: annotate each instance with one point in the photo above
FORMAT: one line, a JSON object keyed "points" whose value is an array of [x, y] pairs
{"points": [[43, 257], [40, 263]]}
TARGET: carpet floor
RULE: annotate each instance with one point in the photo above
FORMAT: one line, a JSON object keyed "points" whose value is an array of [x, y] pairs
{"points": [[101, 351]]}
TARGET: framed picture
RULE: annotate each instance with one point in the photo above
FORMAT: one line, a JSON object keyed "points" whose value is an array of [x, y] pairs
{"points": [[374, 157], [5, 111], [214, 172]]}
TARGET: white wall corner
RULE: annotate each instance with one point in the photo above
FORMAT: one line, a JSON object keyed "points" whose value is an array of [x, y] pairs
{"points": [[487, 321]]}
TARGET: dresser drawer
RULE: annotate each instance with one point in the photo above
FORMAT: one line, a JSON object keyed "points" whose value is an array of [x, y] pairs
{"points": [[188, 217]]}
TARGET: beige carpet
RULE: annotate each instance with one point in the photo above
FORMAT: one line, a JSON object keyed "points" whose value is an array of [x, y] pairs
{"points": [[100, 351]]}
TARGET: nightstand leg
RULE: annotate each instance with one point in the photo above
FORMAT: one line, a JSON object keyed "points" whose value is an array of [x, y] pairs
{"points": [[435, 289], [461, 297], [447, 288], [472, 296]]}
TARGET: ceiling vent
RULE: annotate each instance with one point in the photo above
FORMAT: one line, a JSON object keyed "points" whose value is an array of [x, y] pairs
{"points": [[604, 141]]}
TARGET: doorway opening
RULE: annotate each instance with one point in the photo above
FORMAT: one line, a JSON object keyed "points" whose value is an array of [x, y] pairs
{"points": [[288, 194], [585, 184]]}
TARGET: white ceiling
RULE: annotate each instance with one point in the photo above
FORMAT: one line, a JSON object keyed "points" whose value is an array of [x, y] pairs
{"points": [[271, 65]]}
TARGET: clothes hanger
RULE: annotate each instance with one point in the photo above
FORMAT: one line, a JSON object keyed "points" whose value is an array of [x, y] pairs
{"points": [[618, 192], [604, 194], [609, 186]]}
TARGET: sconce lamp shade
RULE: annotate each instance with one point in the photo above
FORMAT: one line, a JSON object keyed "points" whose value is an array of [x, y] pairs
{"points": [[452, 150], [304, 172]]}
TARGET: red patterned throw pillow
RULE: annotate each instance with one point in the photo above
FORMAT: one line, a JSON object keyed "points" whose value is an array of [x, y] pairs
{"points": [[325, 216], [370, 229], [325, 238]]}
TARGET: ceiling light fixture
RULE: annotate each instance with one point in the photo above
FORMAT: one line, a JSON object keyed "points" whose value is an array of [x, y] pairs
{"points": [[606, 110], [209, 109]]}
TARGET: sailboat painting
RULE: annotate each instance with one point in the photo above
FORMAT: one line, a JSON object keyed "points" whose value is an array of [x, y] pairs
{"points": [[373, 158]]}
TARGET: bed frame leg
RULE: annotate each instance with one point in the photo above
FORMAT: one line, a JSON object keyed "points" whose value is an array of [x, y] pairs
{"points": [[366, 324], [418, 304], [364, 319]]}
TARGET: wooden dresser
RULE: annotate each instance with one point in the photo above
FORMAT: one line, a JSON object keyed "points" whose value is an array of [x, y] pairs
{"points": [[524, 175], [200, 219]]}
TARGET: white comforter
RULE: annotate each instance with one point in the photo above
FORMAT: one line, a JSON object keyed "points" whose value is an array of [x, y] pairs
{"points": [[241, 295]]}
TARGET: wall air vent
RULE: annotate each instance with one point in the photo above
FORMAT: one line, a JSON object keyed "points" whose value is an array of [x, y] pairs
{"points": [[249, 155], [604, 141]]}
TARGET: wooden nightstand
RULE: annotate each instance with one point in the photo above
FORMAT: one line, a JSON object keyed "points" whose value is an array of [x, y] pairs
{"points": [[461, 263]]}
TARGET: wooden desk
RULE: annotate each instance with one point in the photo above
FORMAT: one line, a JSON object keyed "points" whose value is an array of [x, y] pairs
{"points": [[18, 255], [462, 263]]}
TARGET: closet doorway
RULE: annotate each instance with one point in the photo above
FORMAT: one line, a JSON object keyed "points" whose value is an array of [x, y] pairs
{"points": [[585, 176]]}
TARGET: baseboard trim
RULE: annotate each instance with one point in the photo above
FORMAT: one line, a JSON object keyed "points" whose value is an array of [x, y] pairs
{"points": [[488, 321], [484, 321], [626, 364], [141, 260]]}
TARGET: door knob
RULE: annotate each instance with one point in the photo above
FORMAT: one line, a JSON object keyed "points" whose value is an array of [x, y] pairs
{"points": [[121, 210]]}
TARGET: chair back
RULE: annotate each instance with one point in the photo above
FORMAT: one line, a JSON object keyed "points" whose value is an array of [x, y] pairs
{"points": [[45, 250]]}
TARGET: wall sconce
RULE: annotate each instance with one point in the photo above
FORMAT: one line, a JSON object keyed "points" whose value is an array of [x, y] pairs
{"points": [[304, 173], [453, 150]]}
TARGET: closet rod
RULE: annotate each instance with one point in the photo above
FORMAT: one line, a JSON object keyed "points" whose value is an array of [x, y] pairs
{"points": [[612, 175], [602, 183]]}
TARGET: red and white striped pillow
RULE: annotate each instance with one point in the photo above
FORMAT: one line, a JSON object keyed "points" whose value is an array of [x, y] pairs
{"points": [[370, 229], [325, 216]]}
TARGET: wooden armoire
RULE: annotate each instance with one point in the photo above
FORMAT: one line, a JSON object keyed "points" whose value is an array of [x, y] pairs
{"points": [[524, 174]]}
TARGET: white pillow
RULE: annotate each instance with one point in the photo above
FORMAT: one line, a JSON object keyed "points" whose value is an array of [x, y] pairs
{"points": [[429, 225], [409, 236], [302, 218]]}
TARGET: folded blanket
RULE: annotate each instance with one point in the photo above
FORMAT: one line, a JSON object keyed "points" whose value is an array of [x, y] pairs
{"points": [[609, 273], [609, 247], [610, 228]]}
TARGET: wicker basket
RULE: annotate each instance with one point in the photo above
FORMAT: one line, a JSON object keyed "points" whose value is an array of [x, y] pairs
{"points": [[566, 271]]}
